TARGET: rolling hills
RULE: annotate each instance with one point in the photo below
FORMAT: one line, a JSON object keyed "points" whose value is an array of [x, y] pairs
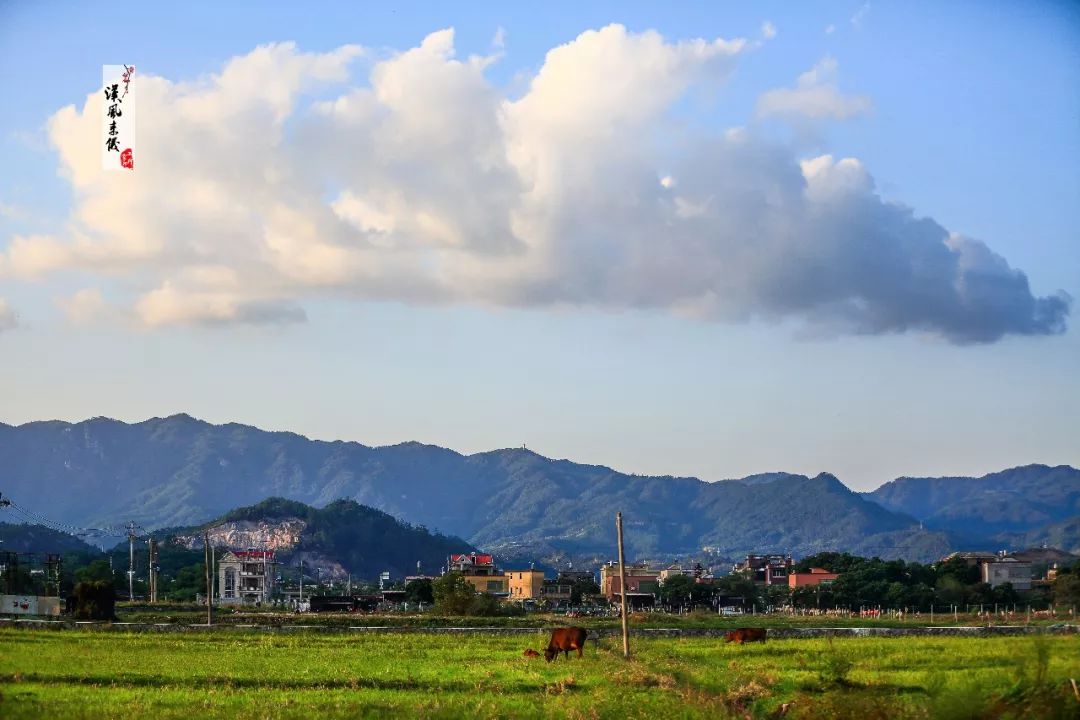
{"points": [[179, 471]]}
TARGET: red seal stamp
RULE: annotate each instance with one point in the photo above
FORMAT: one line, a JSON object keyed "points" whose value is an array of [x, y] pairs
{"points": [[126, 160]]}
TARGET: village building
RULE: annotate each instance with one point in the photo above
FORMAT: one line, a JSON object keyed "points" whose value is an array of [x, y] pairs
{"points": [[556, 593], [570, 577], [670, 571], [816, 576], [246, 577], [972, 558], [1007, 569], [479, 570], [766, 569], [642, 584], [524, 584]]}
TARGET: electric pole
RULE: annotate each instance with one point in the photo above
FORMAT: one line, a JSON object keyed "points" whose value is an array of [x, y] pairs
{"points": [[209, 586], [622, 588], [152, 574], [131, 527]]}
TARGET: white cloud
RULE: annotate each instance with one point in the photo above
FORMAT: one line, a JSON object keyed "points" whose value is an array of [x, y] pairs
{"points": [[12, 212], [8, 319], [84, 306], [768, 30], [860, 15], [424, 182], [830, 29], [814, 96]]}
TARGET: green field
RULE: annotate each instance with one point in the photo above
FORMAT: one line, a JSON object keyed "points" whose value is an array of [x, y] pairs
{"points": [[237, 674]]}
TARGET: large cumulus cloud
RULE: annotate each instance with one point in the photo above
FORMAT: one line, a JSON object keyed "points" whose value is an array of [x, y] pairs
{"points": [[290, 175]]}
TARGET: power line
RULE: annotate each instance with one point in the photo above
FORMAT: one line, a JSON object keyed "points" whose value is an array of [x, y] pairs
{"points": [[39, 519]]}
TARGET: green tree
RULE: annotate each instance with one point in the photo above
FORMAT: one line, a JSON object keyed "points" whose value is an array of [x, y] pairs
{"points": [[187, 582], [420, 591], [1066, 588], [582, 589], [675, 590], [738, 585], [95, 600], [453, 594], [96, 571], [950, 591]]}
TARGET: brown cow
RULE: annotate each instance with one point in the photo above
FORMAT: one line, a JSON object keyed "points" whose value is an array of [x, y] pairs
{"points": [[564, 640], [746, 635], [531, 653]]}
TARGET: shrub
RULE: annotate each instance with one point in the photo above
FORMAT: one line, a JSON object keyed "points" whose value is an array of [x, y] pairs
{"points": [[95, 600]]}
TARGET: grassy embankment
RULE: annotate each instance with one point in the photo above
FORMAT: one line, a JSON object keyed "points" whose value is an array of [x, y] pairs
{"points": [[83, 674], [189, 614]]}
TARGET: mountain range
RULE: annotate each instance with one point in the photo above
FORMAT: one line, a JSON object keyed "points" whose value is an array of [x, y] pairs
{"points": [[180, 471]]}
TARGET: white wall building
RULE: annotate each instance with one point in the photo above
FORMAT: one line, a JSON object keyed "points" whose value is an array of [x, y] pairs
{"points": [[246, 577]]}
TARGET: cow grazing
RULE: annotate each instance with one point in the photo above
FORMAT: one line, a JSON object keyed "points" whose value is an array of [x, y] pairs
{"points": [[531, 653], [564, 640], [740, 636]]}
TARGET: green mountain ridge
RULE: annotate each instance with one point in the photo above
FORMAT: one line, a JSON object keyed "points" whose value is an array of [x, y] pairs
{"points": [[179, 471]]}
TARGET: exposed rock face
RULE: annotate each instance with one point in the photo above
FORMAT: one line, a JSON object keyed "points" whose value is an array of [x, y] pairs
{"points": [[240, 535]]}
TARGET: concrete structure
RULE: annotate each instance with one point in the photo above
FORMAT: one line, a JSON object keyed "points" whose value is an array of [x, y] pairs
{"points": [[1007, 570], [570, 577], [524, 584], [556, 593], [971, 558], [816, 576], [479, 570], [246, 577], [642, 584], [472, 564], [30, 605], [766, 569], [491, 584], [671, 571]]}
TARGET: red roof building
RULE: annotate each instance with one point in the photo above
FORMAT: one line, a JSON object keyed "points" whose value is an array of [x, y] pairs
{"points": [[816, 576]]}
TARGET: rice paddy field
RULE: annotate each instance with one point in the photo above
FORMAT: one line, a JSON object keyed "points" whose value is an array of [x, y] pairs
{"points": [[248, 674]]}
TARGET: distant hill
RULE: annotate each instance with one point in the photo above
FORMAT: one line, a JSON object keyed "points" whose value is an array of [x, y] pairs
{"points": [[39, 539], [1010, 502], [1064, 535], [179, 471], [344, 536]]}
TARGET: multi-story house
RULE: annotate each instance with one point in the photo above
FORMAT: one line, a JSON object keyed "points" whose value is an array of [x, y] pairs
{"points": [[766, 569], [642, 583], [246, 576]]}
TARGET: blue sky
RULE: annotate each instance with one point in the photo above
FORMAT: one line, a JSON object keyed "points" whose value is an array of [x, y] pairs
{"points": [[964, 112]]}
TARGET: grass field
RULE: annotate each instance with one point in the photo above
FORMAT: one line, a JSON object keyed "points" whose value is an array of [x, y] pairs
{"points": [[189, 614], [236, 674]]}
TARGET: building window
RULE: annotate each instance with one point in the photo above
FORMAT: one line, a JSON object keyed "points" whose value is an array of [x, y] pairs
{"points": [[230, 583]]}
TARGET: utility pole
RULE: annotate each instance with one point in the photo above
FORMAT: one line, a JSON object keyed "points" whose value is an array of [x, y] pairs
{"points": [[131, 527], [209, 586], [151, 575], [622, 588], [301, 584]]}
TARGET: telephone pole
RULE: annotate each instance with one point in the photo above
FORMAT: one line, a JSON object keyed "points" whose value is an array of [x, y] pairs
{"points": [[150, 569], [622, 588], [209, 586], [131, 527]]}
